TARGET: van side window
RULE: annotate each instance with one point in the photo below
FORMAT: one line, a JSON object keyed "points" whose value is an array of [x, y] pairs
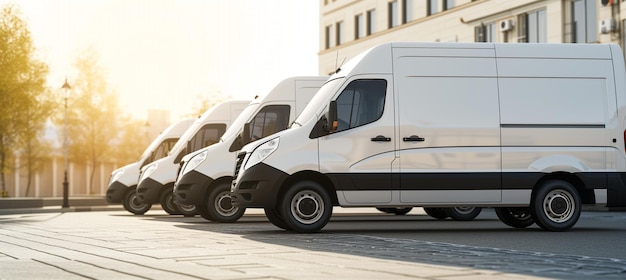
{"points": [[361, 102], [269, 120], [207, 135]]}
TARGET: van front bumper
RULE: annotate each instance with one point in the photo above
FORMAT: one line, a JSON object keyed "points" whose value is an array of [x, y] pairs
{"points": [[116, 192], [148, 191], [190, 188], [258, 187]]}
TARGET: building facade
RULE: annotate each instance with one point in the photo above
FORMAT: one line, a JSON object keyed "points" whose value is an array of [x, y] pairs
{"points": [[349, 27]]}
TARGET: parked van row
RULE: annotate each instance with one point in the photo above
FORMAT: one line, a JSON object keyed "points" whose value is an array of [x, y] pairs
{"points": [[123, 181], [533, 130], [215, 137]]}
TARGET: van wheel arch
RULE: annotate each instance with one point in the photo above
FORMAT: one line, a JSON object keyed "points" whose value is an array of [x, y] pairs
{"points": [[587, 196], [309, 175]]}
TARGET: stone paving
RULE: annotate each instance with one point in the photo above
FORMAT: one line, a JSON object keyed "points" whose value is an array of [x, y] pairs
{"points": [[116, 245]]}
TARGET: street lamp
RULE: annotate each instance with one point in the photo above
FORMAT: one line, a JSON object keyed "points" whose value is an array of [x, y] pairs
{"points": [[66, 94]]}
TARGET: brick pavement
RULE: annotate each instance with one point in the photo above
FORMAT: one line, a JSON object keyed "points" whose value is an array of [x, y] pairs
{"points": [[117, 245]]}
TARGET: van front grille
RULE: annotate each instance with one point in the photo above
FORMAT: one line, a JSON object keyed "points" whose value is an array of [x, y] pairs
{"points": [[240, 158]]}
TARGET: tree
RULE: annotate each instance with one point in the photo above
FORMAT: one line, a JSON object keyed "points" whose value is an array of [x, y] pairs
{"points": [[22, 82], [34, 148], [132, 140], [93, 112]]}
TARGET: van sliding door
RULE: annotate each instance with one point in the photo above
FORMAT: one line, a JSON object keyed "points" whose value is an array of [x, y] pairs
{"points": [[449, 127]]}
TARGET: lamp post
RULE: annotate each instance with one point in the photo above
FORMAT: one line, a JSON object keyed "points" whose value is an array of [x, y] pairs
{"points": [[66, 94]]}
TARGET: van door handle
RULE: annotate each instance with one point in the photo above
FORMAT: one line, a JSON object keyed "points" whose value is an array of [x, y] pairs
{"points": [[381, 138], [413, 138]]}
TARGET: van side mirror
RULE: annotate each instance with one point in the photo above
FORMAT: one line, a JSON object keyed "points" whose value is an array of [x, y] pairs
{"points": [[333, 123], [245, 135], [327, 123]]}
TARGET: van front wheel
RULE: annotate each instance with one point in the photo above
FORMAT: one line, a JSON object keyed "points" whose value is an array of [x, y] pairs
{"points": [[132, 204], [556, 205], [218, 206], [306, 207]]}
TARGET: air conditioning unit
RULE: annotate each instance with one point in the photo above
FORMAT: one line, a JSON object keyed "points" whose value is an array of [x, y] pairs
{"points": [[607, 25], [506, 25]]}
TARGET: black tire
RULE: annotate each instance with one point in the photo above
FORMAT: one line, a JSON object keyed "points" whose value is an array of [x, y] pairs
{"points": [[517, 217], [132, 204], [275, 218], [218, 206], [188, 210], [462, 213], [306, 207], [556, 205], [436, 213], [395, 210], [167, 202]]}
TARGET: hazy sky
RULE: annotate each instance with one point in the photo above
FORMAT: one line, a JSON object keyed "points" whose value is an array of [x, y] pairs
{"points": [[163, 54]]}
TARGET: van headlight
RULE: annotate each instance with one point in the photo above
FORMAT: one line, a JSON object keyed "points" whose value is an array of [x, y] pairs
{"points": [[262, 152], [195, 161], [148, 171]]}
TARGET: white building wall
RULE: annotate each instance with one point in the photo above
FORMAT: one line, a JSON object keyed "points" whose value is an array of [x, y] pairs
{"points": [[453, 25]]}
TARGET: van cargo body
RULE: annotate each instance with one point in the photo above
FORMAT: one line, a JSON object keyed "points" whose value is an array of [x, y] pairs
{"points": [[205, 176], [534, 130]]}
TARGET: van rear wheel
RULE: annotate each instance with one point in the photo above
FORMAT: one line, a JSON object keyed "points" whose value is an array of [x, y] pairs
{"points": [[436, 213], [306, 207], [395, 210], [556, 205], [462, 213], [517, 217]]}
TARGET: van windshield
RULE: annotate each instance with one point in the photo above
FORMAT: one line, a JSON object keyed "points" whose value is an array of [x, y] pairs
{"points": [[319, 101], [237, 125], [152, 146], [182, 142]]}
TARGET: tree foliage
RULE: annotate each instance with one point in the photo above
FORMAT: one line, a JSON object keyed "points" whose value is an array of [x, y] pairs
{"points": [[132, 140], [22, 89], [93, 112]]}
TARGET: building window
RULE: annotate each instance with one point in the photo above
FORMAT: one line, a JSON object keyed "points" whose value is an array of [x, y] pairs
{"points": [[448, 4], [371, 22], [624, 36], [339, 33], [584, 21], [407, 11], [393, 14], [486, 33], [329, 37], [432, 7], [533, 27], [359, 26]]}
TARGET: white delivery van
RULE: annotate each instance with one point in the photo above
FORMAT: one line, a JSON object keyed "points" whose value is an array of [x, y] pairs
{"points": [[123, 180], [206, 174], [157, 178], [534, 130]]}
